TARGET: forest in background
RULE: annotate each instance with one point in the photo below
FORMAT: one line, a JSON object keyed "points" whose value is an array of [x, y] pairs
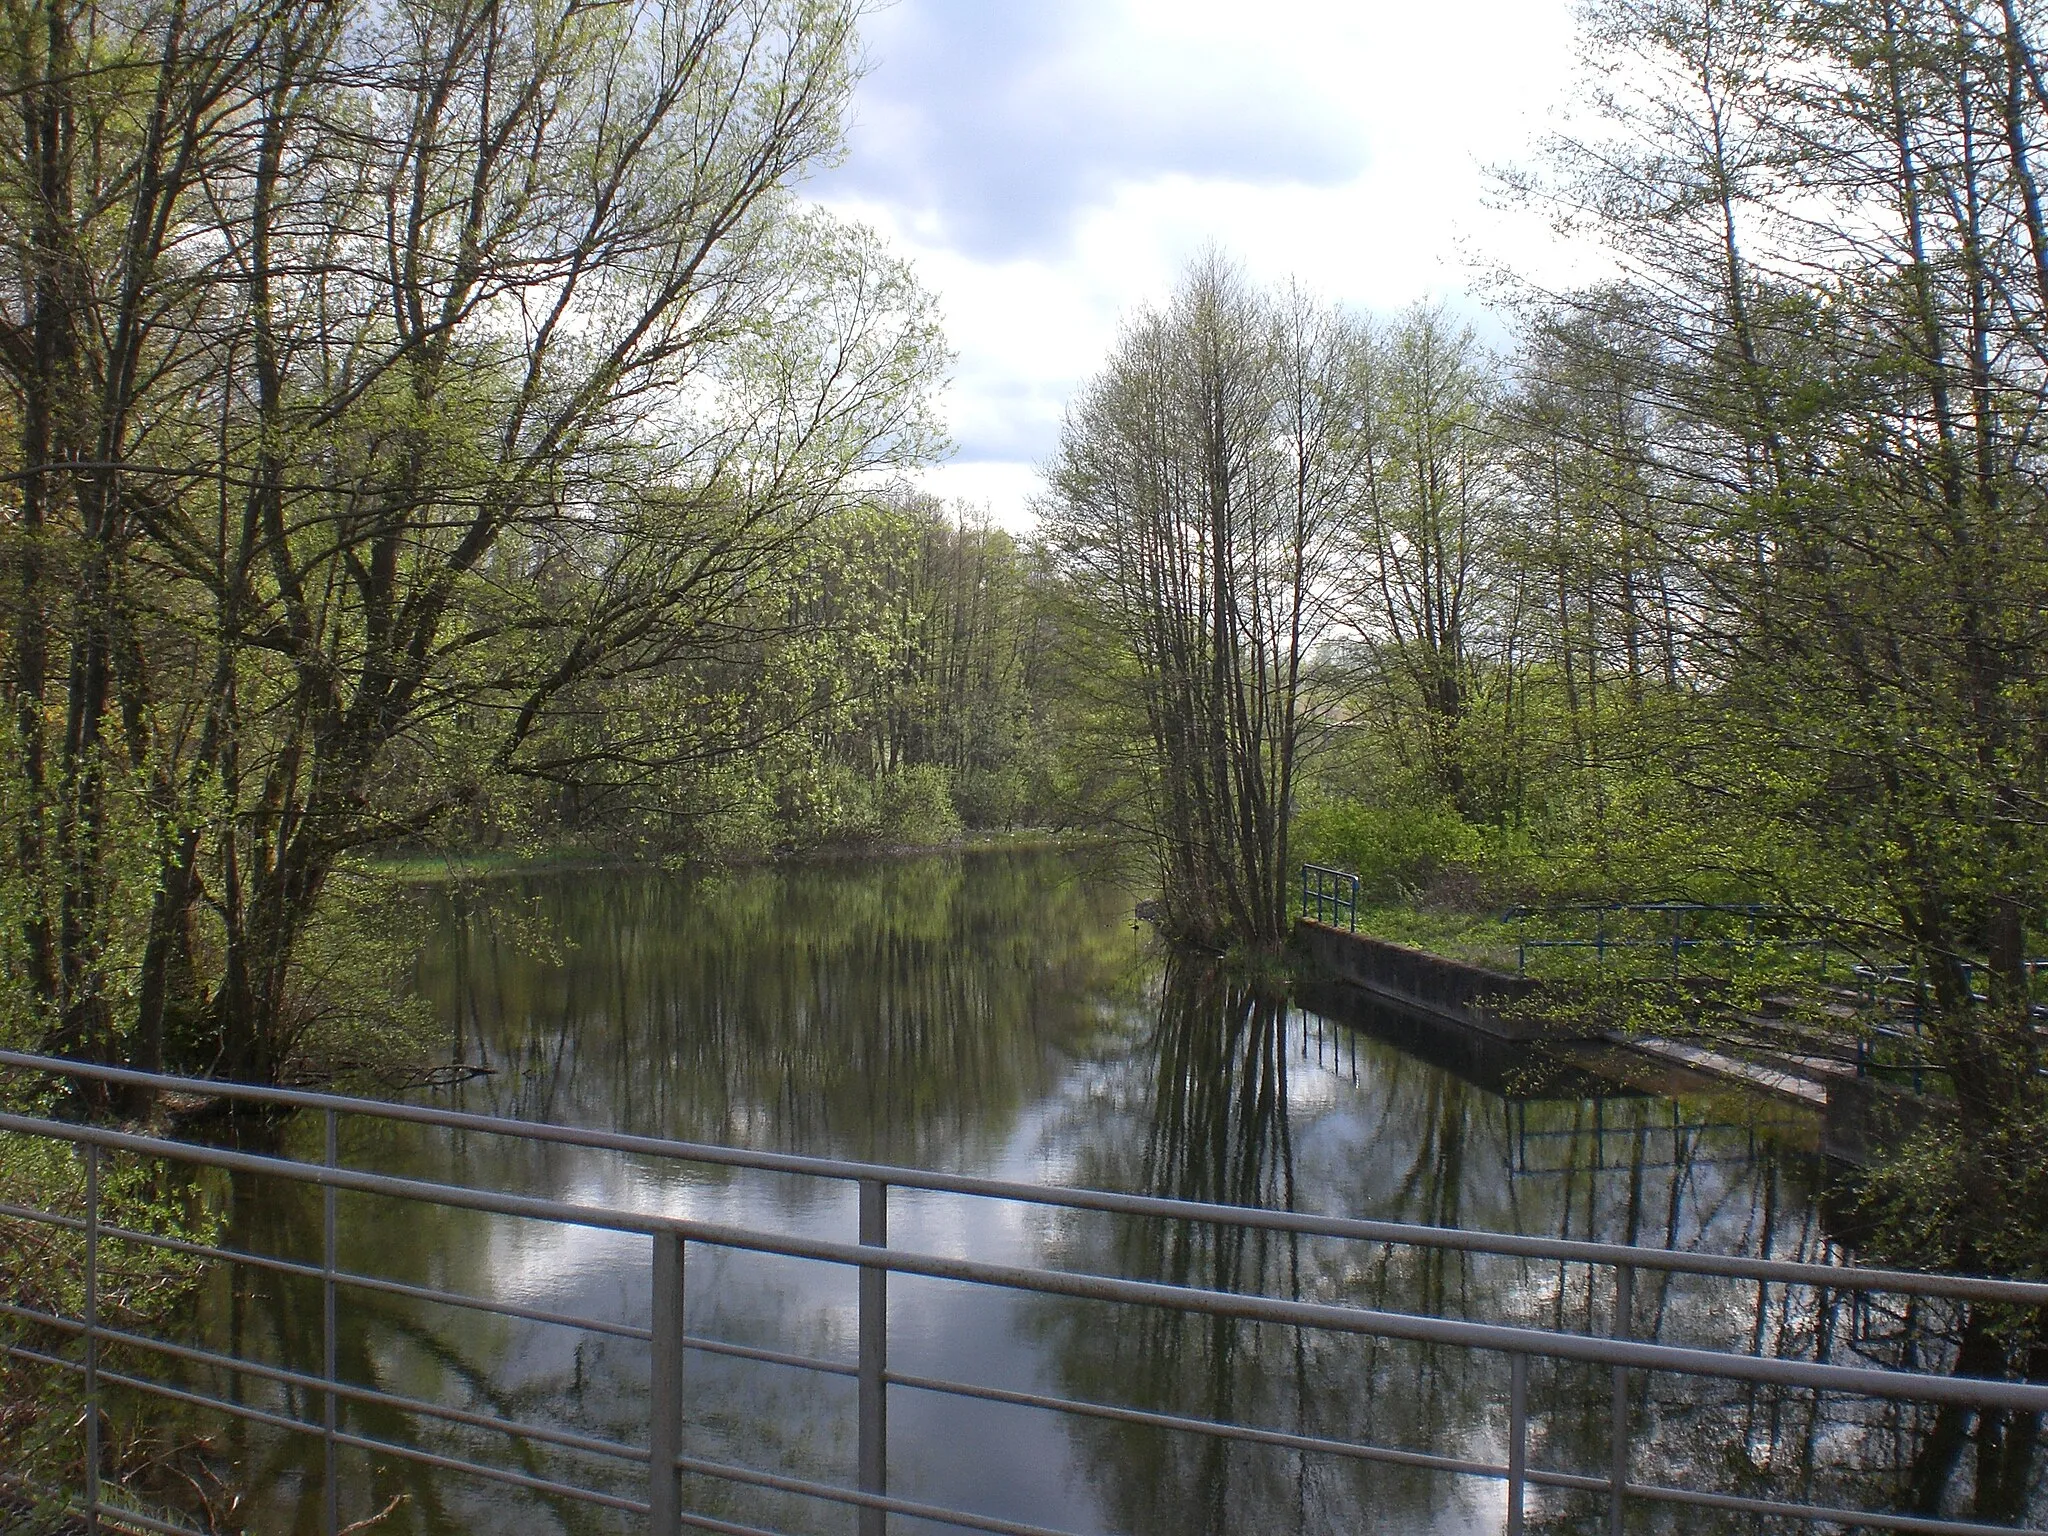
{"points": [[441, 426], [1726, 584]]}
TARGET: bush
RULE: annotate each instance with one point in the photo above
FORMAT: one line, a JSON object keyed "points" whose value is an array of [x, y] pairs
{"points": [[991, 797], [1397, 852], [741, 822], [825, 803], [916, 806]]}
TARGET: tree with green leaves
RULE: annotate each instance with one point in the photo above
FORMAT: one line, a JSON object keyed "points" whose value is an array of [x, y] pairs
{"points": [[1195, 511], [389, 380]]}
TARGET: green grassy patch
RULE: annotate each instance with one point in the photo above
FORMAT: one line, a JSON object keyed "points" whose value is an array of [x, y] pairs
{"points": [[1476, 937]]}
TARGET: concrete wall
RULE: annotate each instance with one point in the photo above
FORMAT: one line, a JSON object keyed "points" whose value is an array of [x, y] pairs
{"points": [[1470, 995], [1863, 1113]]}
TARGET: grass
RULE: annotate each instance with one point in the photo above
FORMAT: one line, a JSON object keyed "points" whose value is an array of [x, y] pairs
{"points": [[1482, 938], [425, 867]]}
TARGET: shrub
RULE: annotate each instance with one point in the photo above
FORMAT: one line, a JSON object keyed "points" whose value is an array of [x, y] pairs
{"points": [[824, 803], [1397, 852], [991, 797], [916, 806]]}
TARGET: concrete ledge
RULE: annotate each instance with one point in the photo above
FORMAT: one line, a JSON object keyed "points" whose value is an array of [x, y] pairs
{"points": [[1785, 1085], [1471, 995]]}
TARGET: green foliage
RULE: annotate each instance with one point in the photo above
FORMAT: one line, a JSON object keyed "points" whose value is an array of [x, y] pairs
{"points": [[743, 826], [1397, 852], [1942, 1198], [1421, 853], [140, 1288], [820, 804], [915, 805], [353, 1009], [998, 796], [483, 582]]}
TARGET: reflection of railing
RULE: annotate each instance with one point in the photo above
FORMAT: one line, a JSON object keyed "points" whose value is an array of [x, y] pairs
{"points": [[1639, 1133], [1329, 896], [664, 1457]]}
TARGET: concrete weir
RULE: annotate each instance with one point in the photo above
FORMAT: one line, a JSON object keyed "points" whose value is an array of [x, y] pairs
{"points": [[1452, 990], [1472, 1009]]}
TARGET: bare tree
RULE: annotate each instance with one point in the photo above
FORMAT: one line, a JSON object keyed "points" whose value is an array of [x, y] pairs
{"points": [[1195, 508]]}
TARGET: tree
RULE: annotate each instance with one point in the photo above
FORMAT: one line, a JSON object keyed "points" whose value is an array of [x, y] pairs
{"points": [[1194, 512], [1425, 586], [474, 356], [1830, 223]]}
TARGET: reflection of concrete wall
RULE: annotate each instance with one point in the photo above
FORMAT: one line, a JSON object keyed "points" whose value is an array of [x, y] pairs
{"points": [[1410, 978], [1863, 1112]]}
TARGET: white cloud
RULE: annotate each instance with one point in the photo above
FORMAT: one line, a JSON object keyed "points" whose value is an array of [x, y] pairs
{"points": [[1051, 168]]}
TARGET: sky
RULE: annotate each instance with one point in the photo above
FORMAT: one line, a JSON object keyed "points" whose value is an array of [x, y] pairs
{"points": [[1050, 166]]}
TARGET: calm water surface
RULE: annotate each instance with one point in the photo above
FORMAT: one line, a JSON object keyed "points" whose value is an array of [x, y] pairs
{"points": [[1001, 1014]]}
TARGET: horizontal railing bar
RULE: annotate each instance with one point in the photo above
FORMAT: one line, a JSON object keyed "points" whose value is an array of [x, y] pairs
{"points": [[1508, 1245], [41, 1319], [779, 1483], [1856, 1380], [304, 1271], [722, 1527], [133, 1517], [37, 1357], [524, 1480], [1930, 1525], [358, 1282], [163, 1389], [50, 1218], [286, 1377], [769, 1356], [341, 1437], [723, 1471], [1432, 1461], [479, 1304], [1152, 1419]]}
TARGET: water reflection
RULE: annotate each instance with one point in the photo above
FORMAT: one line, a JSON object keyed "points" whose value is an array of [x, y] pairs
{"points": [[905, 1010], [1000, 1015]]}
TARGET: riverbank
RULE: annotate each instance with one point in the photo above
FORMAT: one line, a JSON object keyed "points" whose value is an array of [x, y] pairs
{"points": [[426, 868]]}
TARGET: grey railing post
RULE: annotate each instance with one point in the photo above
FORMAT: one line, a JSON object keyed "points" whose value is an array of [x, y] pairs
{"points": [[1518, 1439], [874, 1356], [1617, 1423], [330, 1491], [92, 1338], [665, 1389]]}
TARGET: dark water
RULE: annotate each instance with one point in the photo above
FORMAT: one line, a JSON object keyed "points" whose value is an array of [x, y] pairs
{"points": [[1001, 1014]]}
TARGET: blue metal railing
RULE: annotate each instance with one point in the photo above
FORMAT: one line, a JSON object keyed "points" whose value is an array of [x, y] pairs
{"points": [[1618, 929], [1330, 896]]}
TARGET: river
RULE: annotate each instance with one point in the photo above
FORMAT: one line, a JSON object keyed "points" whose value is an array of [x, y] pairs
{"points": [[1003, 1014]]}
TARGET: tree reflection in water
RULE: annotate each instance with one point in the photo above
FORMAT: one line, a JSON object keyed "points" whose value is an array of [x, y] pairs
{"points": [[1238, 1110], [998, 1015]]}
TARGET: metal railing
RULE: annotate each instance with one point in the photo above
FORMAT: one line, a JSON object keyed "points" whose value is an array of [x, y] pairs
{"points": [[1618, 928], [664, 1458], [1329, 896]]}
